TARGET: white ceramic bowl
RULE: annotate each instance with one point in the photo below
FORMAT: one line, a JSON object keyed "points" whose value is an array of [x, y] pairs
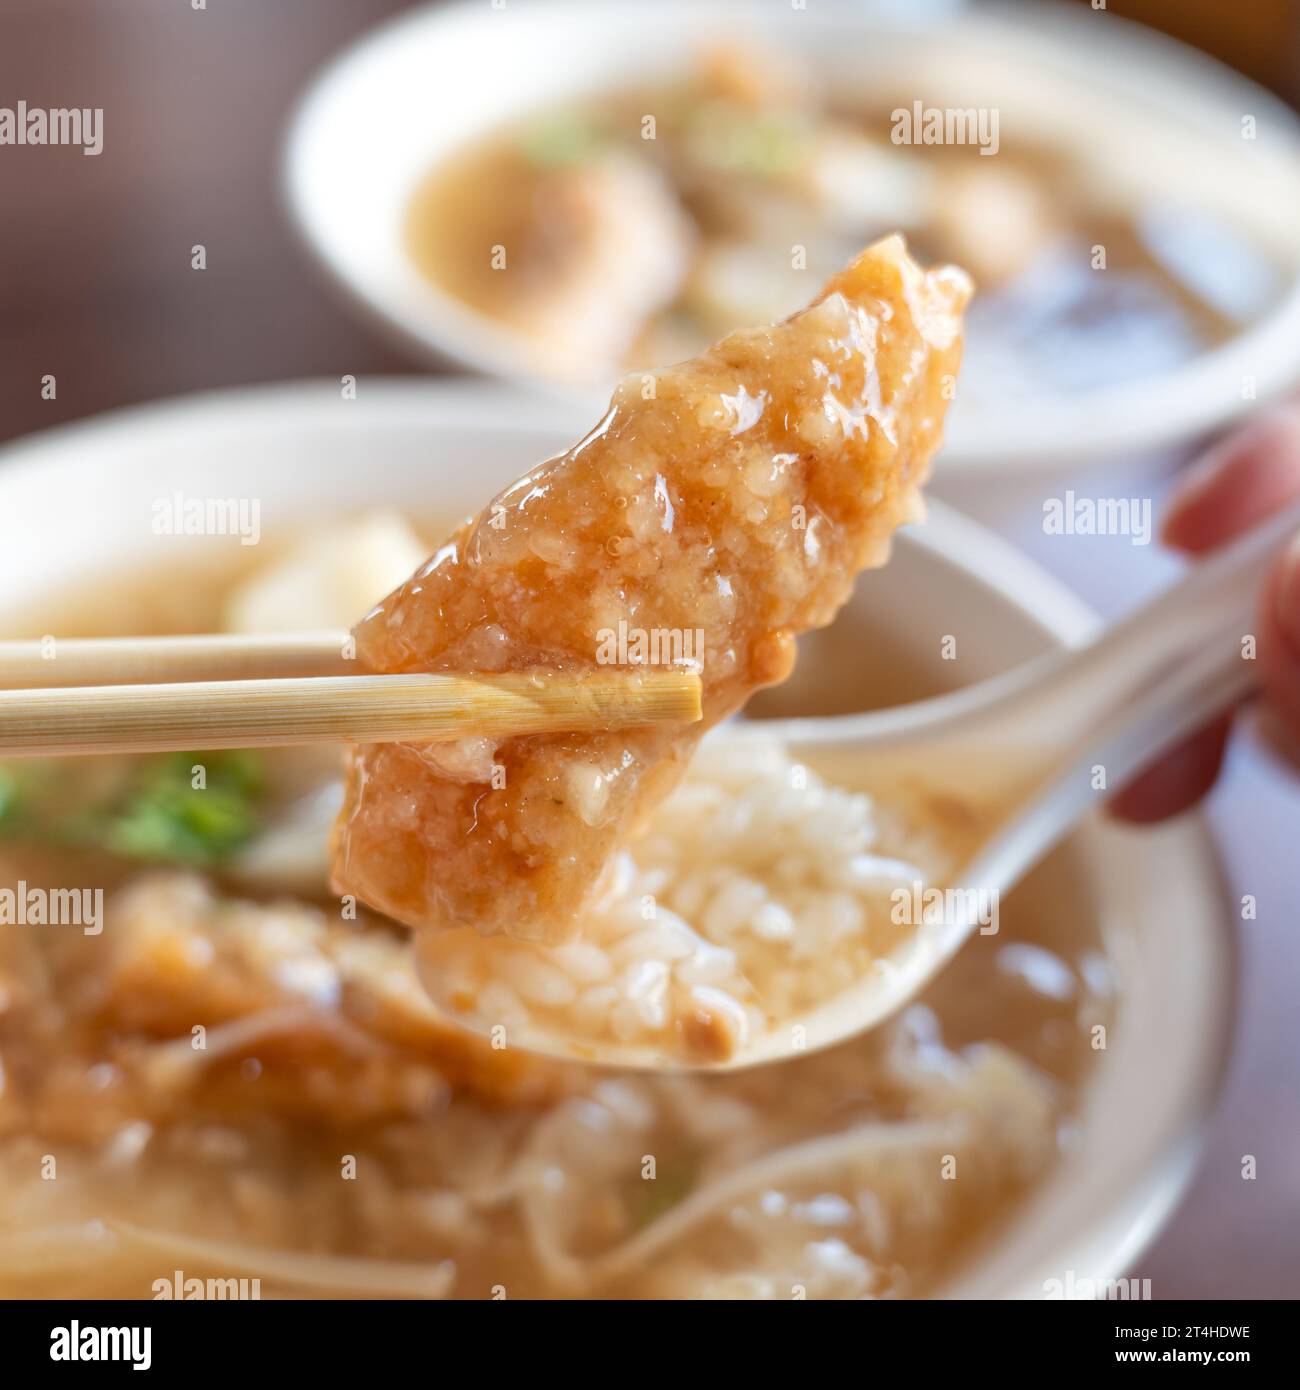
{"points": [[78, 501], [1153, 114]]}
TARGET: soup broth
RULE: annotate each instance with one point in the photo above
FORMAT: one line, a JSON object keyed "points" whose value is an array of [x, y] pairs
{"points": [[236, 1080]]}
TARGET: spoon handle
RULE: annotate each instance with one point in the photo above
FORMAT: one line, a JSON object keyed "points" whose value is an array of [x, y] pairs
{"points": [[1074, 727], [1065, 730], [1158, 674]]}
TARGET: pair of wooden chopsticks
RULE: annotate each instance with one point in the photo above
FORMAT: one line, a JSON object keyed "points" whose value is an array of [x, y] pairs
{"points": [[153, 694]]}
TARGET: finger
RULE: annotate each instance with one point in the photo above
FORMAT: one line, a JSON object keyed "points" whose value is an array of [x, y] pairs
{"points": [[1279, 642], [1178, 780], [1236, 486]]}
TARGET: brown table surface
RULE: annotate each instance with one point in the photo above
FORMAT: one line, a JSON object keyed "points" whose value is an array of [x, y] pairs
{"points": [[96, 288]]}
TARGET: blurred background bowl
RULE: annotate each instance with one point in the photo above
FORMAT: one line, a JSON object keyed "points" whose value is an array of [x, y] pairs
{"points": [[1161, 120]]}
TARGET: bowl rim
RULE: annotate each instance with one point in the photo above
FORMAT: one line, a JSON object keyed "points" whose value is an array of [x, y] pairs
{"points": [[1015, 439], [66, 456]]}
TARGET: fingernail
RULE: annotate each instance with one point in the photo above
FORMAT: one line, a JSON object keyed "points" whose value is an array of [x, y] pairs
{"points": [[1287, 602]]}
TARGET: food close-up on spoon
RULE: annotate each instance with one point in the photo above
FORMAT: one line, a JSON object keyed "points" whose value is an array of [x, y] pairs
{"points": [[993, 775]]}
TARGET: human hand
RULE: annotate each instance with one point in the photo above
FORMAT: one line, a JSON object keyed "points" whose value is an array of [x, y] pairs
{"points": [[1238, 484]]}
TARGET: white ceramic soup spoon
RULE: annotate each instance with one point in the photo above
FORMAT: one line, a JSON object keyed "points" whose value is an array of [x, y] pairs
{"points": [[1027, 754], [995, 774]]}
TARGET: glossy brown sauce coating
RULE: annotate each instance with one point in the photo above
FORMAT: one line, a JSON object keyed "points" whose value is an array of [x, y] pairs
{"points": [[726, 503]]}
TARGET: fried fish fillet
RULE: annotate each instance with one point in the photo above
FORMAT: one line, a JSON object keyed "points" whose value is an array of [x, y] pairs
{"points": [[720, 508]]}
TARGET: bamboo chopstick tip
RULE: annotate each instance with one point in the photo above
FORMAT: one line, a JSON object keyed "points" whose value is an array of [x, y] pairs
{"points": [[695, 696], [670, 697]]}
